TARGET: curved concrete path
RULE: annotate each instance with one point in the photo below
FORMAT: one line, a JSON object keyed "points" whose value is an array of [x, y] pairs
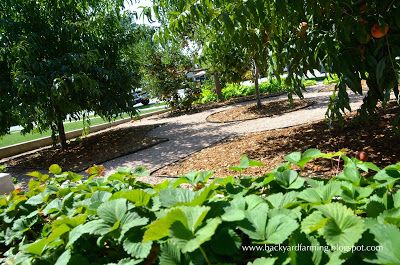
{"points": [[188, 134]]}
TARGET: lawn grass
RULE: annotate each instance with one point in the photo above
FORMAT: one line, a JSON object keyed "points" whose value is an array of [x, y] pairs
{"points": [[17, 137]]}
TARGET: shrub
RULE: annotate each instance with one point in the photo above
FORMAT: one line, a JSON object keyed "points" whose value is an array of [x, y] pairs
{"points": [[207, 93], [232, 90], [331, 79], [310, 82], [66, 219], [272, 86]]}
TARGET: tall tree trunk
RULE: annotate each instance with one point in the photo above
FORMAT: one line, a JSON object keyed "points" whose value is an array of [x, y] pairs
{"points": [[61, 134], [218, 87], [256, 85]]}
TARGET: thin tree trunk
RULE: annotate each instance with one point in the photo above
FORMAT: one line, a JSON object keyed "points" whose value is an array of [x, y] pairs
{"points": [[256, 85], [61, 134], [54, 135], [218, 87]]}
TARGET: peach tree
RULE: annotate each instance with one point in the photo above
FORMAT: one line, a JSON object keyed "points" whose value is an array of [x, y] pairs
{"points": [[63, 59], [357, 40]]}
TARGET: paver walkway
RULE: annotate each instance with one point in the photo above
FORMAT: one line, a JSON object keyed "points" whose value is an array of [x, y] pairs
{"points": [[190, 133]]}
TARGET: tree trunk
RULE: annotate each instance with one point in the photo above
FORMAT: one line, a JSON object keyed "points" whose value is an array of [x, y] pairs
{"points": [[54, 134], [61, 134], [218, 87], [256, 85]]}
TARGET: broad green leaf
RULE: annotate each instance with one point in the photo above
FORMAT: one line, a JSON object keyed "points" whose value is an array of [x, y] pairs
{"points": [[322, 194], [396, 199], [170, 254], [245, 163], [375, 206], [138, 197], [201, 235], [263, 261], [313, 222], [70, 221], [391, 216], [294, 157], [198, 177], [55, 169], [257, 217], [365, 166], [279, 228], [335, 258], [36, 248], [355, 194], [235, 211], [388, 237], [137, 249], [54, 206], [112, 211], [289, 179], [343, 228], [57, 232], [160, 227], [350, 174], [190, 217], [174, 197], [92, 227], [308, 155], [280, 200], [64, 258], [36, 200], [38, 175], [130, 220], [387, 176], [194, 216]]}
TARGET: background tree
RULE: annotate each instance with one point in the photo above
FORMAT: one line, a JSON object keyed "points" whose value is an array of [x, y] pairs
{"points": [[357, 40], [164, 71], [224, 59], [249, 25], [63, 59]]}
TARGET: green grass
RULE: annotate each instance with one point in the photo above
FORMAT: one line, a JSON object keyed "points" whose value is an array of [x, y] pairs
{"points": [[17, 137]]}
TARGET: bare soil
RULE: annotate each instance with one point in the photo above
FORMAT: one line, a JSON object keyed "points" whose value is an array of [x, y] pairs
{"points": [[377, 137], [94, 149], [250, 112]]}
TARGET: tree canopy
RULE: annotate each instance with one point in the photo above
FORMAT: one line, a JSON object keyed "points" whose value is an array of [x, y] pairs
{"points": [[63, 59], [357, 40]]}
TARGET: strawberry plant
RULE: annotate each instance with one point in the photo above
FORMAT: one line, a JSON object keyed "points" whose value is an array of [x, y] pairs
{"points": [[65, 218]]}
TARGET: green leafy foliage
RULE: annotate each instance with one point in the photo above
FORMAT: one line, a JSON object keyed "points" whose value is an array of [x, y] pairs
{"points": [[61, 60], [356, 41], [232, 90], [63, 218]]}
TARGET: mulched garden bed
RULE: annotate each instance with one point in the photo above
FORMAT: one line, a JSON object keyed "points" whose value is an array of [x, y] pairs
{"points": [[378, 138], [94, 149], [212, 105], [250, 112]]}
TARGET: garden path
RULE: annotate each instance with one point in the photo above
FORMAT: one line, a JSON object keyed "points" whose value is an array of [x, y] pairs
{"points": [[190, 133]]}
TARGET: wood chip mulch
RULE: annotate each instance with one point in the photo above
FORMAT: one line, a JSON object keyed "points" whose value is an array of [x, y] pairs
{"points": [[378, 138], [250, 112], [94, 149], [196, 108]]}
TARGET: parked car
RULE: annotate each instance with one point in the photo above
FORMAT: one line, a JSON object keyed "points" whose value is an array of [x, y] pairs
{"points": [[140, 96]]}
